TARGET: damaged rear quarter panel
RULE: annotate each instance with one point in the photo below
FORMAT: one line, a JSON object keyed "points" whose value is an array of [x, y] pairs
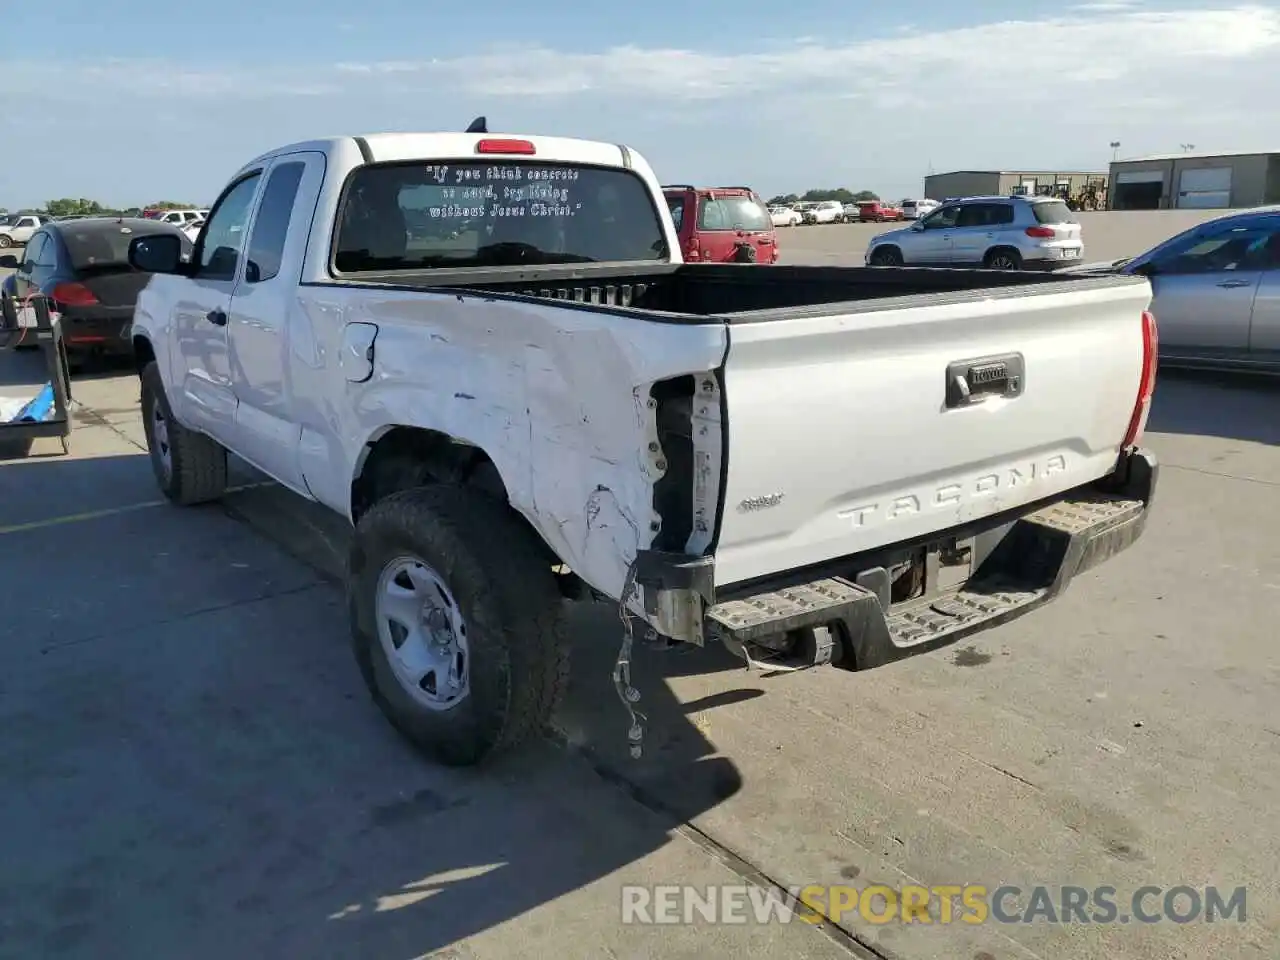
{"points": [[557, 397]]}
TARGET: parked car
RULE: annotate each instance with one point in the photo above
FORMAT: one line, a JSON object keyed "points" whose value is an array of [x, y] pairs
{"points": [[915, 209], [850, 212], [586, 415], [82, 267], [876, 211], [999, 233], [784, 216], [179, 218], [722, 224], [825, 211], [16, 229], [192, 229], [1217, 292]]}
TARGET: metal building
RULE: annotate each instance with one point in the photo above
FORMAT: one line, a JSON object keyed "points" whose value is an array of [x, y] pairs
{"points": [[1195, 181], [988, 183]]}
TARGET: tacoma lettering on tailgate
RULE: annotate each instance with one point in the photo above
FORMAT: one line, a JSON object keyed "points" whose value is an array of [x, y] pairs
{"points": [[953, 494]]}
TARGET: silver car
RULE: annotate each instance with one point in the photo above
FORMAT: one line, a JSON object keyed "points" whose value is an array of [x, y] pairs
{"points": [[1217, 292], [999, 233]]}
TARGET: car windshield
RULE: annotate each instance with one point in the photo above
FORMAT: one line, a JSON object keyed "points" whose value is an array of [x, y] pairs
{"points": [[477, 213], [1053, 211]]}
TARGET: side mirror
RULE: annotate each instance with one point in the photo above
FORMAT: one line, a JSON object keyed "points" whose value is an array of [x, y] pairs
{"points": [[159, 253], [917, 226], [9, 262]]}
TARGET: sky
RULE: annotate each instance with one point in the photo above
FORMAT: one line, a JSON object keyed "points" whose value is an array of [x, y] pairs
{"points": [[130, 103]]}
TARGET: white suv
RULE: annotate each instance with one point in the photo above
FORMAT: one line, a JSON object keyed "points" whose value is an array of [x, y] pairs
{"points": [[999, 233]]}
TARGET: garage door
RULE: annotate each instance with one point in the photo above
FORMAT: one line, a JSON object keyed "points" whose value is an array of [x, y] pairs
{"points": [[1204, 188]]}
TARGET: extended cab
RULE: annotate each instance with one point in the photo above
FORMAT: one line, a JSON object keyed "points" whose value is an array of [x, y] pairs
{"points": [[486, 352]]}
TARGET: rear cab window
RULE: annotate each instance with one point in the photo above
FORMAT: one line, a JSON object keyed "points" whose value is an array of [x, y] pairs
{"points": [[736, 212], [490, 213], [1053, 211], [676, 203]]}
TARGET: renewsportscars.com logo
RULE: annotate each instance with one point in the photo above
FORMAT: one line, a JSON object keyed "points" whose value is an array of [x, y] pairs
{"points": [[942, 904]]}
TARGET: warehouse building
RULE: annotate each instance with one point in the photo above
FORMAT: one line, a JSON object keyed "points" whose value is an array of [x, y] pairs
{"points": [[1195, 181], [989, 183]]}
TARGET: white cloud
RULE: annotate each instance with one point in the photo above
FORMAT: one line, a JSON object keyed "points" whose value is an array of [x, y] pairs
{"points": [[1049, 91], [1105, 41]]}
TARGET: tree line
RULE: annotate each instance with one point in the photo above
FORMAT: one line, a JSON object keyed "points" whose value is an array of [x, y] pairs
{"points": [[840, 193], [70, 206]]}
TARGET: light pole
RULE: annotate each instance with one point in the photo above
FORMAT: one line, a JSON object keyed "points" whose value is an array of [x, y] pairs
{"points": [[1187, 147], [1115, 145]]}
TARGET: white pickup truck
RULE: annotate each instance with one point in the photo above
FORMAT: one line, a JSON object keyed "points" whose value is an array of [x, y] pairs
{"points": [[485, 352]]}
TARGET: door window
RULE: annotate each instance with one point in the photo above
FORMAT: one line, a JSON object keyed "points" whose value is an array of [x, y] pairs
{"points": [[942, 219], [27, 222], [222, 240], [46, 257], [35, 247], [676, 206], [1248, 247], [271, 225]]}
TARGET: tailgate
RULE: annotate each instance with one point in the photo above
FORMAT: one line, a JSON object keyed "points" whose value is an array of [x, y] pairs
{"points": [[848, 432]]}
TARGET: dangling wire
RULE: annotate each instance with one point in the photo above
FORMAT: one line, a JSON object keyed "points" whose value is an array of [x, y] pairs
{"points": [[628, 694]]}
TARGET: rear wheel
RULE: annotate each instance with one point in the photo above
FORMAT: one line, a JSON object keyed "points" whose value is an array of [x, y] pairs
{"points": [[886, 257], [5, 241], [189, 467], [1003, 259], [457, 622]]}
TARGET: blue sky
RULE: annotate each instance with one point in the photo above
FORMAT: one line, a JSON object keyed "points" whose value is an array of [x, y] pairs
{"points": [[130, 103]]}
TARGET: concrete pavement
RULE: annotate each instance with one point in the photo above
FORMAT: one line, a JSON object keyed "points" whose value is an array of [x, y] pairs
{"points": [[191, 768]]}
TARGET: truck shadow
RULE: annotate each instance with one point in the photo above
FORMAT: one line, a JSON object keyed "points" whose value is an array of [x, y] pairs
{"points": [[191, 766], [1233, 407]]}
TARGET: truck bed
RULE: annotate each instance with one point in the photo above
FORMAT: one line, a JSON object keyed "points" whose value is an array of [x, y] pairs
{"points": [[693, 293]]}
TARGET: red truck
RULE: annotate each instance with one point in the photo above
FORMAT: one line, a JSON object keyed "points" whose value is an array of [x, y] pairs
{"points": [[874, 211], [722, 224]]}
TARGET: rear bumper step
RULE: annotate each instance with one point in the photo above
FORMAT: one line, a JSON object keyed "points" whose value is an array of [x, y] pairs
{"points": [[1031, 564]]}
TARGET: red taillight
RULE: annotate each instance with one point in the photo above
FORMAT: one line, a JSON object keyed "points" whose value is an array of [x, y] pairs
{"points": [[73, 295], [1147, 386], [525, 147], [1045, 233]]}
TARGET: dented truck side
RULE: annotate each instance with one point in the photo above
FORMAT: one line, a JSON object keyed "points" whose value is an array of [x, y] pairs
{"points": [[514, 402]]}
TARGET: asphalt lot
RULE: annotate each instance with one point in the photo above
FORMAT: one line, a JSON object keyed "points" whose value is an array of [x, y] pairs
{"points": [[190, 767]]}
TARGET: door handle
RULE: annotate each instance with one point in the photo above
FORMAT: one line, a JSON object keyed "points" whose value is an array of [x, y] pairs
{"points": [[1236, 283], [217, 317]]}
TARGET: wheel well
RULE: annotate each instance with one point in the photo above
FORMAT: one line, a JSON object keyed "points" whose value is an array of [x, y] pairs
{"points": [[887, 246], [406, 457], [143, 353]]}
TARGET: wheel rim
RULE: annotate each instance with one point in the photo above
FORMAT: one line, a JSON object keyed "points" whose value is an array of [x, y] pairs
{"points": [[1002, 262], [423, 634], [160, 448], [4, 241]]}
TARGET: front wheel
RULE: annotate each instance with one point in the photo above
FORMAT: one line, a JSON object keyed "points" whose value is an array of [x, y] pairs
{"points": [[5, 241], [457, 623], [189, 467], [886, 257]]}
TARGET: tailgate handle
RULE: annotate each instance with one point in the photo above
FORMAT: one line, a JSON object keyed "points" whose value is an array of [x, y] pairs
{"points": [[973, 381]]}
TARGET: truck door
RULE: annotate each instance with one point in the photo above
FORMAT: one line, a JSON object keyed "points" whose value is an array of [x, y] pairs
{"points": [[202, 308], [267, 431]]}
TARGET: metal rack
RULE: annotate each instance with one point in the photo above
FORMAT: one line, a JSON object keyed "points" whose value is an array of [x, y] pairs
{"points": [[46, 334]]}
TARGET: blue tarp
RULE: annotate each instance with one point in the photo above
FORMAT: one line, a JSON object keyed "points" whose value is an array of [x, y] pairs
{"points": [[38, 409]]}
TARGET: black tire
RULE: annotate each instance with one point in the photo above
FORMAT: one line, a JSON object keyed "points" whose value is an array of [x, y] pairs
{"points": [[886, 257], [5, 242], [1002, 258], [501, 581], [195, 470]]}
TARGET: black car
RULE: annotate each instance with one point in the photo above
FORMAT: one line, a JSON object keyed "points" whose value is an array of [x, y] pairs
{"points": [[82, 267]]}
